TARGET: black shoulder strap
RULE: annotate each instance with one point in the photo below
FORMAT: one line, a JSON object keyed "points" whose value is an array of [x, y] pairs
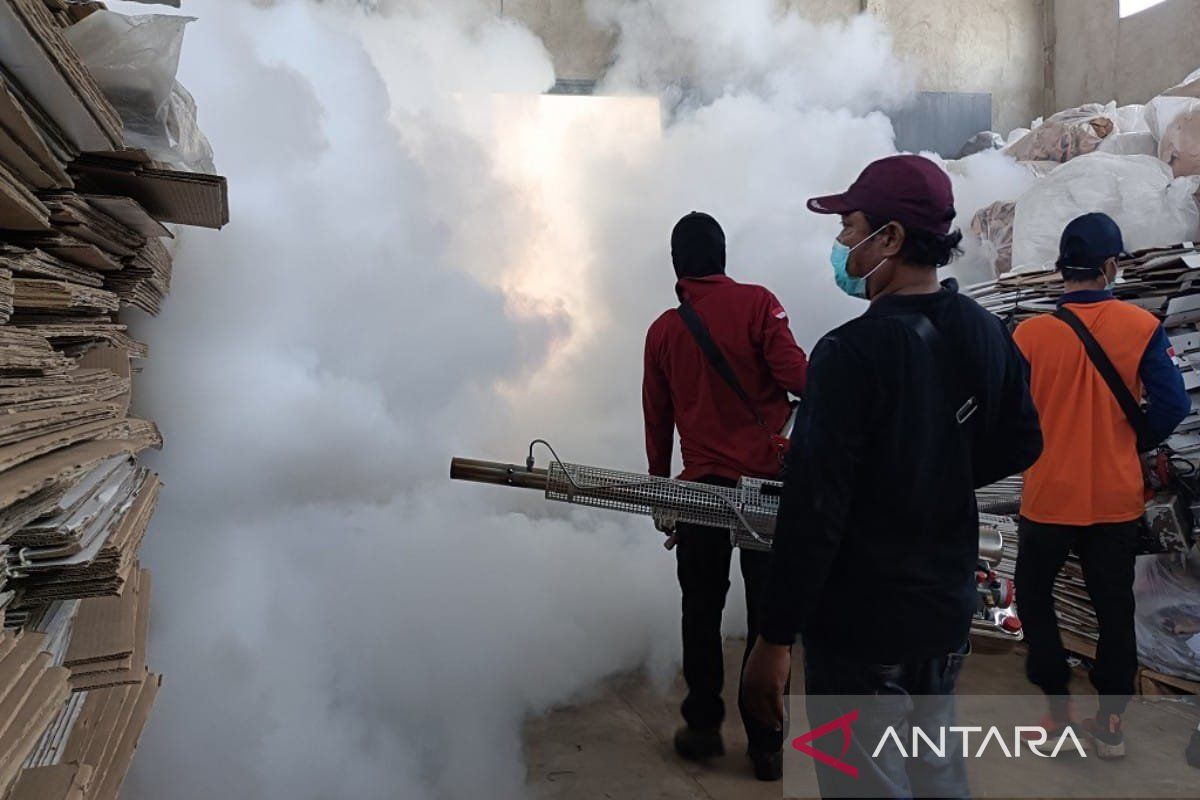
{"points": [[956, 375], [1124, 397], [715, 357]]}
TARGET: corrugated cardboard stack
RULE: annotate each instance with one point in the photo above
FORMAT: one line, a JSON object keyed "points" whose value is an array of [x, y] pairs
{"points": [[32, 692], [1164, 281], [81, 238]]}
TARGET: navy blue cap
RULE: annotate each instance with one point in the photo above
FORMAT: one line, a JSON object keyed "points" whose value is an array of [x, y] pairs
{"points": [[1088, 241]]}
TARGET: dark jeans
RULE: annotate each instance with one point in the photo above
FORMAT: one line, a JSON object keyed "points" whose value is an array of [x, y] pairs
{"points": [[1106, 553], [900, 696], [703, 557]]}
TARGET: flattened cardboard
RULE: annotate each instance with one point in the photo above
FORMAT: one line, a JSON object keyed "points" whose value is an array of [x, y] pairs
{"points": [[24, 425], [50, 747], [122, 757], [34, 51], [114, 359], [38, 263], [83, 385], [20, 514], [187, 198], [17, 454], [46, 693], [74, 251], [7, 642], [97, 709], [103, 567], [38, 706], [74, 216], [55, 782], [129, 212], [84, 531], [22, 653], [25, 480], [86, 331], [26, 133], [106, 628], [20, 210], [39, 295], [21, 164]]}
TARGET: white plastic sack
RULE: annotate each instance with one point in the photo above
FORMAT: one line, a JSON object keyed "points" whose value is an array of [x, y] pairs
{"points": [[1015, 135], [1139, 192], [1130, 144], [1180, 145], [993, 227], [1167, 620], [1131, 119], [1161, 111], [134, 61], [1066, 135], [1040, 169], [1188, 87]]}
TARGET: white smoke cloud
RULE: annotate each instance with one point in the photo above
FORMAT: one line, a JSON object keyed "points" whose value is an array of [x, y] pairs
{"points": [[428, 259]]}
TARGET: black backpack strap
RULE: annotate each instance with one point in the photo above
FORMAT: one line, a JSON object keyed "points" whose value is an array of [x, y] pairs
{"points": [[1124, 397], [715, 357]]}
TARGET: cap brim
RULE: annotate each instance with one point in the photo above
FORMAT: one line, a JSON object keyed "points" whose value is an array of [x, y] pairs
{"points": [[831, 204]]}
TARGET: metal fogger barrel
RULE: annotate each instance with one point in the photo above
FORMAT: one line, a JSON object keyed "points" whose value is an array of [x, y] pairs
{"points": [[748, 511]]}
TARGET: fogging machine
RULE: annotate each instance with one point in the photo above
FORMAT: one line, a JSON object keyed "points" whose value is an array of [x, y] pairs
{"points": [[747, 510]]}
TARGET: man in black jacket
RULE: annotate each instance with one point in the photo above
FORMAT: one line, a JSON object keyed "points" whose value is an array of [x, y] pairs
{"points": [[910, 408]]}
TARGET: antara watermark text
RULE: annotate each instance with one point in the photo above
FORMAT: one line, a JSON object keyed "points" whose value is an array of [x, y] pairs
{"points": [[1032, 738]]}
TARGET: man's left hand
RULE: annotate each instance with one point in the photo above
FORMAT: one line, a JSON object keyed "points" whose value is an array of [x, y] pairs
{"points": [[764, 681]]}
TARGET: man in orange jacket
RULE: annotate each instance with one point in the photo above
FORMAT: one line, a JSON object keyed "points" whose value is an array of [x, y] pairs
{"points": [[1086, 493]]}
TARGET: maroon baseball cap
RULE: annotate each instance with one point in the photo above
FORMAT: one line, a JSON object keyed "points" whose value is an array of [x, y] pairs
{"points": [[909, 189]]}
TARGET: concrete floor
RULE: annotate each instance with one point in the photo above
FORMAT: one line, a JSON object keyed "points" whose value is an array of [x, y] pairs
{"points": [[617, 745]]}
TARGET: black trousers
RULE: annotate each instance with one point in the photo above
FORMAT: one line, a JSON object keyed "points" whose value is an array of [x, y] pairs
{"points": [[703, 558], [1106, 553], [914, 693]]}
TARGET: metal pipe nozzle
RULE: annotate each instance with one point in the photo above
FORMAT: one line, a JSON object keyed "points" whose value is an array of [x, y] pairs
{"points": [[498, 473]]}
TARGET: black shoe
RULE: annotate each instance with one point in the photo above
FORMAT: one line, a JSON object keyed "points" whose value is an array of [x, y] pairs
{"points": [[698, 745], [1106, 735], [767, 766], [1192, 753]]}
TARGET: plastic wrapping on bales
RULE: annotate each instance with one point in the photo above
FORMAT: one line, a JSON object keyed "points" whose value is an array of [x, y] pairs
{"points": [[1180, 145], [1151, 205], [1168, 614], [1065, 135]]}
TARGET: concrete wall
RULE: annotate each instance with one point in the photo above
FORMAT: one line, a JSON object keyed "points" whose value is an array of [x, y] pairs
{"points": [[580, 51], [956, 45], [1099, 57], [977, 46]]}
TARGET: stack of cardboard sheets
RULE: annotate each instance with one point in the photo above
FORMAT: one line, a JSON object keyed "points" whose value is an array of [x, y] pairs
{"points": [[82, 238], [32, 694], [88, 747]]}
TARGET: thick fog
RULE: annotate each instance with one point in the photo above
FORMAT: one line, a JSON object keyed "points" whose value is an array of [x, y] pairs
{"points": [[429, 258]]}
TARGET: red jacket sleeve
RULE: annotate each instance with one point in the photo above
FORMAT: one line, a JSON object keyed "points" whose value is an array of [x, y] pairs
{"points": [[785, 358], [657, 410]]}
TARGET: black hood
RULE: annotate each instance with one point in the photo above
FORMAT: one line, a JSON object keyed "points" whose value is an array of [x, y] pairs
{"points": [[698, 246]]}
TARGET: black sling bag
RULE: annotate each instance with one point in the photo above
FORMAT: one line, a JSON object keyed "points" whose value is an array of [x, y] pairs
{"points": [[1124, 397]]}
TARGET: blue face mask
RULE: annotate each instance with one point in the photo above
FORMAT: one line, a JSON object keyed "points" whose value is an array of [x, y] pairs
{"points": [[839, 257]]}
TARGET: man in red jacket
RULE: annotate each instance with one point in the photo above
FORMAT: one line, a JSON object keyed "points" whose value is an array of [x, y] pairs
{"points": [[722, 437]]}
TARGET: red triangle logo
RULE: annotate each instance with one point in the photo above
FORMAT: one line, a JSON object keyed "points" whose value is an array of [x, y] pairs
{"points": [[842, 724]]}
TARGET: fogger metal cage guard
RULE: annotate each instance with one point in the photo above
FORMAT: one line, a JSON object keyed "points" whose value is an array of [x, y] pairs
{"points": [[748, 511]]}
